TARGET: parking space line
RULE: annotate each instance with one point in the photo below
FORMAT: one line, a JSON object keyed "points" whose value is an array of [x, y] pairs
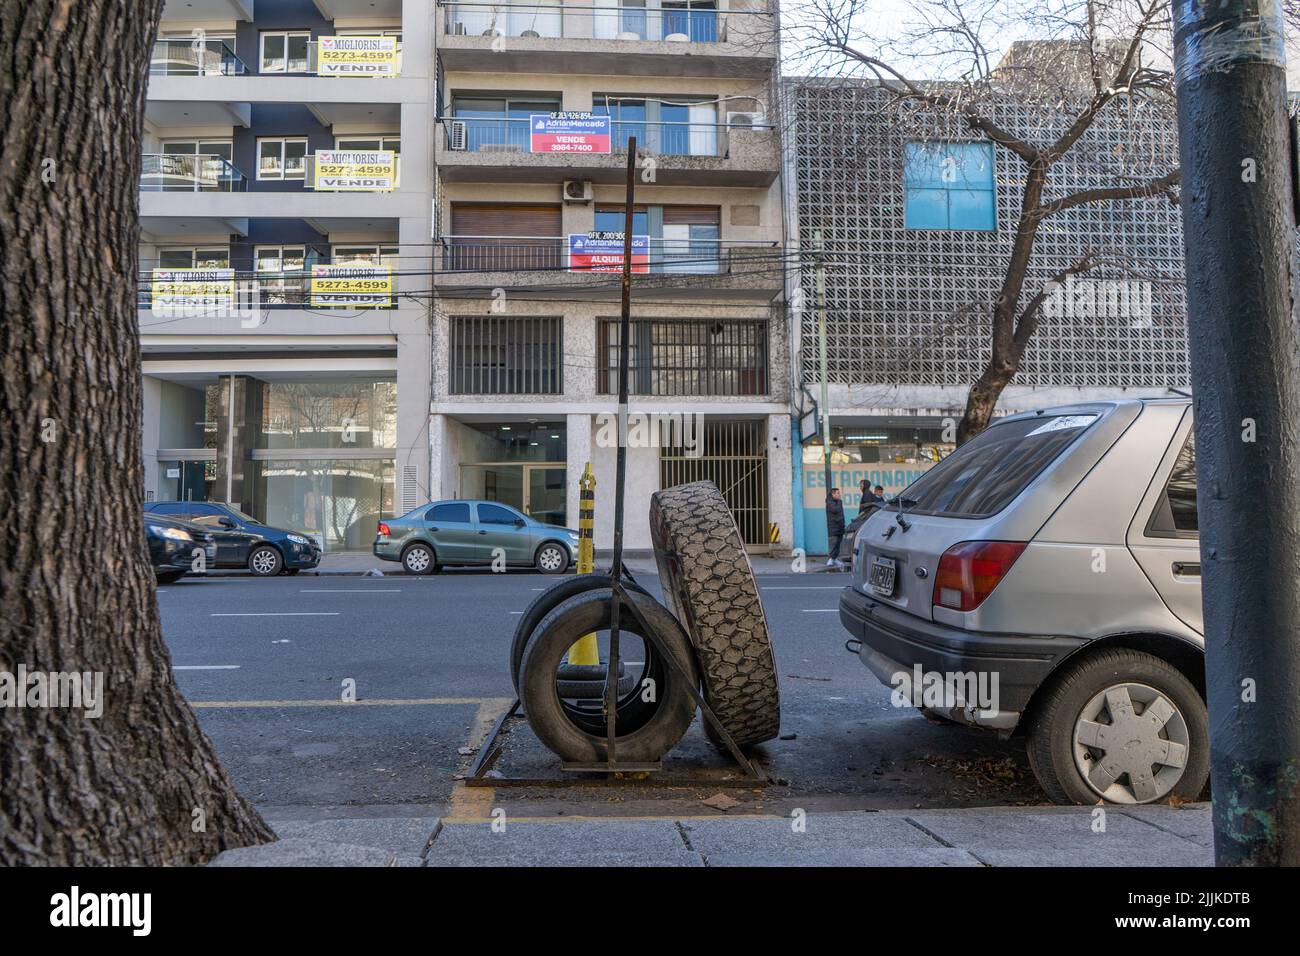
{"points": [[807, 587], [276, 614], [474, 804], [820, 610], [206, 667], [349, 590]]}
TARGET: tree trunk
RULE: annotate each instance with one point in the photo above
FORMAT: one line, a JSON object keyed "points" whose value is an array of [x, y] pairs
{"points": [[140, 784]]}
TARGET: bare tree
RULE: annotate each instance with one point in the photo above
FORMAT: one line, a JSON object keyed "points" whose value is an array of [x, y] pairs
{"points": [[1079, 62], [139, 783]]}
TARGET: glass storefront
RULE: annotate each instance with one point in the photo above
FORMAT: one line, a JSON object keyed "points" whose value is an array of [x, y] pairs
{"points": [[328, 415], [336, 501], [521, 464]]}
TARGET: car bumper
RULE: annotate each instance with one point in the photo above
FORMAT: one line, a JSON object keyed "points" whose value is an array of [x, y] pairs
{"points": [[900, 648], [300, 557], [386, 549]]}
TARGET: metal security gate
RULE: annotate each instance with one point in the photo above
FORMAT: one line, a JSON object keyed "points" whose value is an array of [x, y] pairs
{"points": [[732, 455]]}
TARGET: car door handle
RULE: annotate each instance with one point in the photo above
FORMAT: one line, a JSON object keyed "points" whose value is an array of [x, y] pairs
{"points": [[482, 532], [1187, 569], [433, 529]]}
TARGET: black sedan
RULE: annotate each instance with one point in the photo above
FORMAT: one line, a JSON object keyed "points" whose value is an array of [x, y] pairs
{"points": [[176, 547], [242, 540]]}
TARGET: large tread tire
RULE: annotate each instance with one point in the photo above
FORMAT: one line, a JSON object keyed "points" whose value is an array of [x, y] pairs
{"points": [[707, 578], [650, 729], [549, 600], [1051, 732]]}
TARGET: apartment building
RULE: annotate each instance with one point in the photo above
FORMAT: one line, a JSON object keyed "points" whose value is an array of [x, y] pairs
{"points": [[525, 330], [285, 206], [916, 218]]}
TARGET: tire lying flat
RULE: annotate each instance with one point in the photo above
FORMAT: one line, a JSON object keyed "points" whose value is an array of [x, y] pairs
{"points": [[646, 729], [709, 583]]}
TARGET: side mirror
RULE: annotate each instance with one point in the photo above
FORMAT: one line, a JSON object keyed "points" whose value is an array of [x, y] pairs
{"points": [[520, 522], [226, 522]]}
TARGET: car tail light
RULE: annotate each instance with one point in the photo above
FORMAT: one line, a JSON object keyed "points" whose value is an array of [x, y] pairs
{"points": [[383, 529], [968, 572]]}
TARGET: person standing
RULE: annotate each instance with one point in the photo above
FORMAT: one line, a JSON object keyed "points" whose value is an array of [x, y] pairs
{"points": [[834, 526]]}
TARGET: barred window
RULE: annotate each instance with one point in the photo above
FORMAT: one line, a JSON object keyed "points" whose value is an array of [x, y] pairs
{"points": [[686, 357], [491, 355]]}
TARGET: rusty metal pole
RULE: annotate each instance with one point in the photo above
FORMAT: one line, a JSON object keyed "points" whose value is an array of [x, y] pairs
{"points": [[1239, 231], [620, 478]]}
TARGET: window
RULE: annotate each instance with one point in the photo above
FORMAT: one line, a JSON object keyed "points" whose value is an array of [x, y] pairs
{"points": [[949, 186], [199, 147], [981, 478], [281, 273], [391, 143], [192, 258], [682, 238], [285, 51], [176, 54], [282, 158], [365, 256], [686, 357], [1175, 513], [495, 514], [677, 128], [456, 513], [494, 355], [499, 124]]}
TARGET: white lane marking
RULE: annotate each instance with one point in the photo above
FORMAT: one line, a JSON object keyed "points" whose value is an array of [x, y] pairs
{"points": [[820, 610], [349, 590], [277, 614], [206, 667], [516, 612], [807, 587]]}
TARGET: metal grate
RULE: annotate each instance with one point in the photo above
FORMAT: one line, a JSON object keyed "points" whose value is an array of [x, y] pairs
{"points": [[686, 357], [733, 457], [913, 306], [506, 356], [410, 488]]}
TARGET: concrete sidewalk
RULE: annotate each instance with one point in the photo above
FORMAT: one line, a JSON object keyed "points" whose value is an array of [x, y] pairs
{"points": [[999, 836], [363, 563]]}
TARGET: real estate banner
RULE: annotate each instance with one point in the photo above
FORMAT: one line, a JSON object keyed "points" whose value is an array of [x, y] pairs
{"points": [[352, 287], [603, 252], [355, 170], [193, 291], [569, 132], [357, 56]]}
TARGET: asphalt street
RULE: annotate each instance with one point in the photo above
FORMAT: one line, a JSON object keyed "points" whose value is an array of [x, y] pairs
{"points": [[270, 664]]}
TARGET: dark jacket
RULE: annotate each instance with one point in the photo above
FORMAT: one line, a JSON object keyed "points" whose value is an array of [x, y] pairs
{"points": [[834, 516], [869, 499]]}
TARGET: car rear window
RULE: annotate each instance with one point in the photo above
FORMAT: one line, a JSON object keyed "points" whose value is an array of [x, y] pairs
{"points": [[982, 477], [457, 513]]}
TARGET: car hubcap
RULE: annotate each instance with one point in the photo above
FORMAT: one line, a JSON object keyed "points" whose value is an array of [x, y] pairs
{"points": [[1131, 743], [551, 559], [417, 560], [263, 561]]}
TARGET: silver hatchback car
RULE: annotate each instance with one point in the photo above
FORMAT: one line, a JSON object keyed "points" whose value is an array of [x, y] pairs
{"points": [[1044, 580]]}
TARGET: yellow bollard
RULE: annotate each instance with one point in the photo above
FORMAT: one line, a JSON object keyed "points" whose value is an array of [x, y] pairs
{"points": [[586, 651]]}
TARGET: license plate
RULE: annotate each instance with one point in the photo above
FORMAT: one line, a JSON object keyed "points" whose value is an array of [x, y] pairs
{"points": [[882, 575]]}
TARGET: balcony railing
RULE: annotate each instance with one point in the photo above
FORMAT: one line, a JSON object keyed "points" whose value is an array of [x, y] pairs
{"points": [[172, 172], [573, 21], [195, 58], [511, 135], [472, 254]]}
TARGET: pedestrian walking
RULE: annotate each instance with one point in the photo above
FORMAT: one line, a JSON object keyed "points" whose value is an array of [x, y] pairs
{"points": [[834, 526]]}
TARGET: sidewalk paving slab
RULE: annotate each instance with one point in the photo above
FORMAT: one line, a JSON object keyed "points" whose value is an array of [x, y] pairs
{"points": [[561, 843], [300, 852]]}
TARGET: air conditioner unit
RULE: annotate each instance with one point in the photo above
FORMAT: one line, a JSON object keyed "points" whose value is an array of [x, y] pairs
{"points": [[577, 190], [457, 135], [746, 119]]}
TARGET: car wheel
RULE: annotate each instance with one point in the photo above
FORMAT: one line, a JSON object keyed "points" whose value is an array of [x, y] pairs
{"points": [[551, 559], [169, 577], [265, 561], [419, 559], [1122, 727]]}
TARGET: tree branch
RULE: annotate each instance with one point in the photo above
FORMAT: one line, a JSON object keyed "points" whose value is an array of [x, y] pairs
{"points": [[1153, 187]]}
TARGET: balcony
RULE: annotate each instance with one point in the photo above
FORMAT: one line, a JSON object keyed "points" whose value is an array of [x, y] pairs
{"points": [[170, 172], [259, 291], [676, 268], [194, 58], [681, 39], [685, 154]]}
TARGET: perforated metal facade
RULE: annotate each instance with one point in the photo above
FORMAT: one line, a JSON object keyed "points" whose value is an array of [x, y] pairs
{"points": [[912, 307]]}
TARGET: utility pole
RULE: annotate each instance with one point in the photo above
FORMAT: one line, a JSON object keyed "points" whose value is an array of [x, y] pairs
{"points": [[1239, 231], [819, 288]]}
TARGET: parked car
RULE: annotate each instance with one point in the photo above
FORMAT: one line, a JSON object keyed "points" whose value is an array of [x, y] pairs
{"points": [[243, 541], [445, 533], [1058, 553], [173, 545]]}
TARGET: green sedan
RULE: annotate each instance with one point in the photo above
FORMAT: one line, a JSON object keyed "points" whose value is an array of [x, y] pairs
{"points": [[447, 533]]}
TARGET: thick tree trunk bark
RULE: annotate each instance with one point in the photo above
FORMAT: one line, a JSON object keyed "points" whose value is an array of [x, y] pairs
{"points": [[140, 783]]}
